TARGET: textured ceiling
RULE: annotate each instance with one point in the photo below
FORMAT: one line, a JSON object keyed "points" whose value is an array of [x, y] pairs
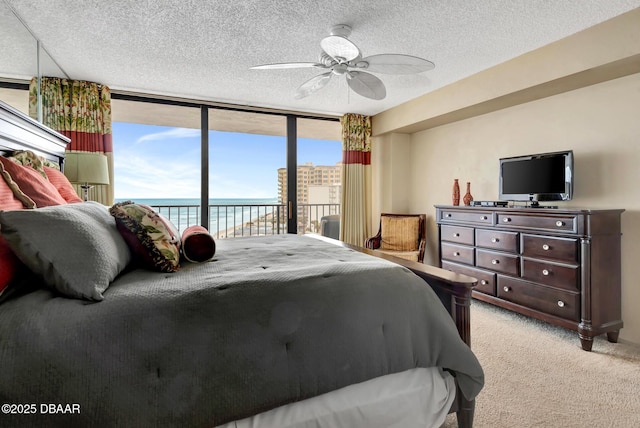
{"points": [[203, 49]]}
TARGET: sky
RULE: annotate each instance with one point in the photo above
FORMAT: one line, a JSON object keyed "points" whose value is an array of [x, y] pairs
{"points": [[164, 162]]}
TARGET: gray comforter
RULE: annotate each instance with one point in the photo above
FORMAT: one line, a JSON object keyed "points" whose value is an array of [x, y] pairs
{"points": [[270, 321]]}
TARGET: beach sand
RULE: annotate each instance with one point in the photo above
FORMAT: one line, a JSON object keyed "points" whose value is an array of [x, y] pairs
{"points": [[262, 225]]}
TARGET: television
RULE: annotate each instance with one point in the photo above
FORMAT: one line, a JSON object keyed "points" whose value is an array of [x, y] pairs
{"points": [[537, 178]]}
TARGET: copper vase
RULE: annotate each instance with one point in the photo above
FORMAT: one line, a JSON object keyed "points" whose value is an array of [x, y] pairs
{"points": [[455, 196], [467, 196]]}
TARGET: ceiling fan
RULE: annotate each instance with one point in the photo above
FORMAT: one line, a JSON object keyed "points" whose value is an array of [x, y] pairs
{"points": [[341, 57]]}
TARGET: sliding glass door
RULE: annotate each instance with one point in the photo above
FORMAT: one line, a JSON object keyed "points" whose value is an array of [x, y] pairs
{"points": [[157, 151], [319, 169], [246, 151]]}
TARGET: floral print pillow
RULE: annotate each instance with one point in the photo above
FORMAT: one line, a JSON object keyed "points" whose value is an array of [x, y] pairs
{"points": [[152, 238], [29, 158]]}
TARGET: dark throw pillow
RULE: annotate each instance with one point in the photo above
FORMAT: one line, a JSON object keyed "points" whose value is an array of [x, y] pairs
{"points": [[153, 239]]}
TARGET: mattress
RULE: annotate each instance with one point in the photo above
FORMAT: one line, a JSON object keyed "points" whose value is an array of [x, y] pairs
{"points": [[419, 398]]}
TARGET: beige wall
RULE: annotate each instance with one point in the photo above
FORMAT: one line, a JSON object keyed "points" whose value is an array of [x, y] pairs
{"points": [[390, 187], [600, 122]]}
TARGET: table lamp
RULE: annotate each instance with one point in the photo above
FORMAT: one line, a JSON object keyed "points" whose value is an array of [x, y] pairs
{"points": [[86, 169]]}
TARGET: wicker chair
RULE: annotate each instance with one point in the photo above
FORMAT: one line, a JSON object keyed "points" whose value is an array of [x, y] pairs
{"points": [[401, 235]]}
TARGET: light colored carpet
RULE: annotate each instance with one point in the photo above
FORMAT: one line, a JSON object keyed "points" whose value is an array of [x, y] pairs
{"points": [[537, 375]]}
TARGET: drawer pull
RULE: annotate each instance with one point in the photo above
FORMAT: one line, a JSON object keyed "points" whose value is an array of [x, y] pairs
{"points": [[495, 261], [545, 272], [456, 254], [507, 289], [561, 303], [455, 235], [483, 217], [559, 223], [545, 247], [506, 219], [495, 240], [448, 215], [484, 282]]}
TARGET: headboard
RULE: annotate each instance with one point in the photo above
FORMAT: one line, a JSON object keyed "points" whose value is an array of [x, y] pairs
{"points": [[20, 132]]}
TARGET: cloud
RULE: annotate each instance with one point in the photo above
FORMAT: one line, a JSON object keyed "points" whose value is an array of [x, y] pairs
{"points": [[172, 133], [138, 177]]}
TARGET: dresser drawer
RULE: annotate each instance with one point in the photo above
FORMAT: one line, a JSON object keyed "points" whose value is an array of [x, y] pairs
{"points": [[561, 249], [553, 274], [561, 303], [486, 280], [497, 240], [471, 216], [499, 262], [457, 234], [457, 253], [559, 223]]}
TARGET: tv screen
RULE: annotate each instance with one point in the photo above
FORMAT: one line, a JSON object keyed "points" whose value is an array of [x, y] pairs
{"points": [[539, 177]]}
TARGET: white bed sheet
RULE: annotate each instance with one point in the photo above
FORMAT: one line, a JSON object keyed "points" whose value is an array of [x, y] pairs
{"points": [[418, 397]]}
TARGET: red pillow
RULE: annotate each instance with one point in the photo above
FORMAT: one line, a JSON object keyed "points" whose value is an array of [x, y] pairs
{"points": [[8, 199], [33, 184], [61, 182], [197, 244], [11, 197], [9, 264], [8, 261]]}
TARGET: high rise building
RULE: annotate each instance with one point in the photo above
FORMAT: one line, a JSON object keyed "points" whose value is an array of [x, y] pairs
{"points": [[318, 193], [319, 184]]}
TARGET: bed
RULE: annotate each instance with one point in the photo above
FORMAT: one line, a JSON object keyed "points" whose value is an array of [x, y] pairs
{"points": [[276, 331]]}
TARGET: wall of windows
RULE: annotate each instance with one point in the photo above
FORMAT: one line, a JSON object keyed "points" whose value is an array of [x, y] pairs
{"points": [[233, 177], [242, 160]]}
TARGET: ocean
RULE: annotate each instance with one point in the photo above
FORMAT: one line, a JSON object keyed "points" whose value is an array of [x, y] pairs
{"points": [[227, 217]]}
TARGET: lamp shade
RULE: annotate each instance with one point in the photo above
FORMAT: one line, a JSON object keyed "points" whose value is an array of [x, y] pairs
{"points": [[86, 168]]}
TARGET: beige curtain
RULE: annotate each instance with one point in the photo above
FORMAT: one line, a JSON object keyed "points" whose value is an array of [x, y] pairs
{"points": [[355, 211], [81, 111]]}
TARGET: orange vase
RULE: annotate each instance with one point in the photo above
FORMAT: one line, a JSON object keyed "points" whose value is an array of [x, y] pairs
{"points": [[467, 196], [455, 196]]}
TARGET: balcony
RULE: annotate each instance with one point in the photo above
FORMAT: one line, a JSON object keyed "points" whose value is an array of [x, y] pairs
{"points": [[230, 221]]}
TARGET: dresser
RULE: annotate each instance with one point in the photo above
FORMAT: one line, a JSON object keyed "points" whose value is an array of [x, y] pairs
{"points": [[561, 266]]}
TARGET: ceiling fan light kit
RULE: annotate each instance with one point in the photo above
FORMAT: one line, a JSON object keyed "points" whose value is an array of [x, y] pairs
{"points": [[341, 57]]}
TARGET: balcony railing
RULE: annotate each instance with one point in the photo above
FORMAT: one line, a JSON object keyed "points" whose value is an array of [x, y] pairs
{"points": [[229, 221]]}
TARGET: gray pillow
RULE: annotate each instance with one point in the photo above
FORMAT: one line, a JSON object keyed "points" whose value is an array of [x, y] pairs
{"points": [[76, 248]]}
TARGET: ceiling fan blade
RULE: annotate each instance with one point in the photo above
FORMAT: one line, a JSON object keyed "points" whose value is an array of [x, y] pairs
{"points": [[340, 48], [366, 84], [286, 65], [394, 64], [313, 85]]}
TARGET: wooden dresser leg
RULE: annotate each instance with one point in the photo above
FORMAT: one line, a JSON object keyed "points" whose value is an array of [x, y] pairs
{"points": [[612, 336], [465, 414], [585, 332], [587, 342]]}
